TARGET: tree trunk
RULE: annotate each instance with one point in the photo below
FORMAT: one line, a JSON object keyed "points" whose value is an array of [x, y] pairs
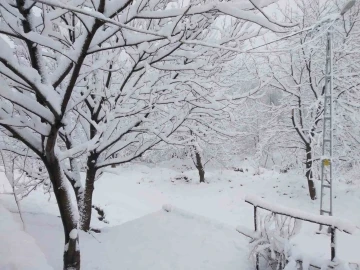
{"points": [[309, 172], [85, 206], [63, 198], [71, 250], [200, 166]]}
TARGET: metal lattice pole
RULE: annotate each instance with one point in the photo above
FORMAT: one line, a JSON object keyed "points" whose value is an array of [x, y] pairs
{"points": [[326, 196]]}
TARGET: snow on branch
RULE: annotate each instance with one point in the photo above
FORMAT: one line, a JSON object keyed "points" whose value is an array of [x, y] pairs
{"points": [[25, 102], [226, 8], [97, 15], [30, 76]]}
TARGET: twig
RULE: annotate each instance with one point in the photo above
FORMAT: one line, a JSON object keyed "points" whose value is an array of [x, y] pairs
{"points": [[89, 232]]}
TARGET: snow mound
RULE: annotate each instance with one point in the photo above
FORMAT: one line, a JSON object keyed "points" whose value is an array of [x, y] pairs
{"points": [[162, 240], [167, 240], [18, 250]]}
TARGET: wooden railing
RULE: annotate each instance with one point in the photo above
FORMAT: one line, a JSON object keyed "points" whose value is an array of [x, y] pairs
{"points": [[332, 222]]}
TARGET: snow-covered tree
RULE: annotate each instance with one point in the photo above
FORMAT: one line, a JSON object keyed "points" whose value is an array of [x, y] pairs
{"points": [[114, 73], [299, 74]]}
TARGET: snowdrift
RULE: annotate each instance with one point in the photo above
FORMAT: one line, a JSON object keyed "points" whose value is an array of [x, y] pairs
{"points": [[169, 240], [162, 240], [18, 250]]}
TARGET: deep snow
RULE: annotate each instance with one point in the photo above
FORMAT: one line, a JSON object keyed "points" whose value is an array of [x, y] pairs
{"points": [[139, 191], [18, 250], [159, 240]]}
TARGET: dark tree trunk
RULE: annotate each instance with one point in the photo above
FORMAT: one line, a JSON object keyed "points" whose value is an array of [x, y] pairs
{"points": [[308, 149], [199, 166], [86, 204], [74, 168], [57, 178], [309, 172]]}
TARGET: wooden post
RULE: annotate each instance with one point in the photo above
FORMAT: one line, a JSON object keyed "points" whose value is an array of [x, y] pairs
{"points": [[333, 243], [255, 227]]}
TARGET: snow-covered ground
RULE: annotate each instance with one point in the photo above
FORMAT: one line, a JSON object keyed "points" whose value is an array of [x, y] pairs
{"points": [[159, 241], [135, 191], [18, 250]]}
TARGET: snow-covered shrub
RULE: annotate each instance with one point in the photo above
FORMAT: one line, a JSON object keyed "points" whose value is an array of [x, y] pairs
{"points": [[274, 242]]}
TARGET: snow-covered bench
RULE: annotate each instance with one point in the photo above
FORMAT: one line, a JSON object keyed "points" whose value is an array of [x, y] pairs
{"points": [[329, 221]]}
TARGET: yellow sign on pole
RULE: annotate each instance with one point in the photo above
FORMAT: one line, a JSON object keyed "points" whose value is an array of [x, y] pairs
{"points": [[326, 162]]}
